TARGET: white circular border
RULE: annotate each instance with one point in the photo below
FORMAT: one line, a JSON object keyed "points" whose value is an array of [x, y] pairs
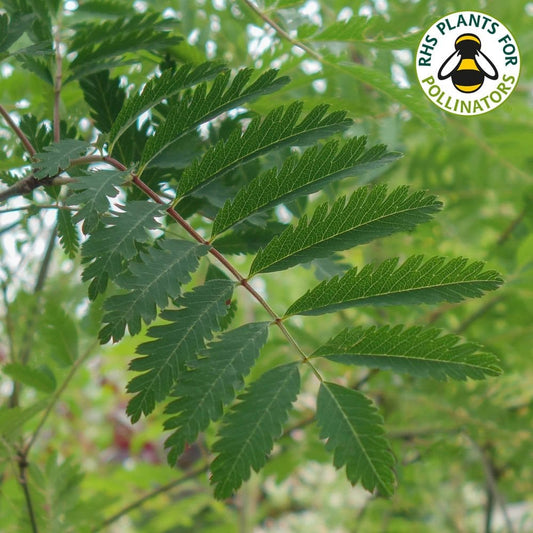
{"points": [[448, 97]]}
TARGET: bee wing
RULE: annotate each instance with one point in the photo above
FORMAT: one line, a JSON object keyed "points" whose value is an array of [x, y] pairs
{"points": [[449, 66], [485, 65]]}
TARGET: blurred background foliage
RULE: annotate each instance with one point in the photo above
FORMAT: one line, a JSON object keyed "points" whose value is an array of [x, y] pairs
{"points": [[463, 449]]}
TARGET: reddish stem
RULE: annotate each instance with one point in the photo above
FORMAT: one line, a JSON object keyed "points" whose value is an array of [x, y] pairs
{"points": [[27, 144]]}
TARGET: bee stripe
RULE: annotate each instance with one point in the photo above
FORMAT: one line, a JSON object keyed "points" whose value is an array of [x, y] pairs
{"points": [[468, 64], [467, 38], [468, 88]]}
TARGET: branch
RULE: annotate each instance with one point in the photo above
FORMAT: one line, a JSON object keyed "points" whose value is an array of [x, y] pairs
{"points": [[23, 465], [280, 31], [38, 206], [57, 394], [29, 183], [141, 501], [491, 477], [57, 84], [27, 144]]}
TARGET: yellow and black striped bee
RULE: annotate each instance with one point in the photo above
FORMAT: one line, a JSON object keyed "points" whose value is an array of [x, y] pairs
{"points": [[468, 65]]}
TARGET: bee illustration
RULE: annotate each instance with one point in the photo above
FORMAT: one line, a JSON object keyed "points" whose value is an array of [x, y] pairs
{"points": [[468, 65]]}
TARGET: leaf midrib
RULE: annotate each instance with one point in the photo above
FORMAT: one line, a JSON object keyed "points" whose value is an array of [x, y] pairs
{"points": [[325, 238], [356, 436]]}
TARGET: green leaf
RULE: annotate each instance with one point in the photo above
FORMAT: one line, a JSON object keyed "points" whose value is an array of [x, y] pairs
{"points": [[203, 391], [104, 97], [281, 127], [13, 419], [356, 30], [300, 176], [68, 233], [250, 428], [193, 108], [368, 215], [354, 429], [109, 246], [157, 277], [103, 43], [158, 89], [36, 65], [60, 334], [413, 282], [176, 344], [411, 98], [57, 157], [418, 351], [40, 379], [246, 239], [92, 192]]}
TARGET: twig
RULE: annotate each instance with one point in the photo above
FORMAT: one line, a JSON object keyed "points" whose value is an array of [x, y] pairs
{"points": [[57, 395], [282, 32], [29, 183], [485, 308], [38, 206], [57, 84], [23, 465], [28, 338], [511, 227], [141, 501], [27, 144], [491, 475]]}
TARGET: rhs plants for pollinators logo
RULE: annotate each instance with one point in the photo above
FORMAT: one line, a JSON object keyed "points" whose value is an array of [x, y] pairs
{"points": [[468, 63]]}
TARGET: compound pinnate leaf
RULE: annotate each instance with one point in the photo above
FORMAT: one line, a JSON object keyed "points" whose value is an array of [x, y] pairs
{"points": [[210, 384], [418, 351], [281, 127], [368, 215], [92, 193], [354, 429], [250, 428], [107, 247], [57, 157], [156, 277], [158, 89], [192, 108], [300, 176], [176, 343], [413, 282]]}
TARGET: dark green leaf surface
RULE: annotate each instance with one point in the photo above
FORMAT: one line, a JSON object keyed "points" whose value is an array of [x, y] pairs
{"points": [[281, 127], [250, 428], [421, 352], [193, 108], [368, 215], [108, 246], [413, 282], [176, 344], [158, 89], [354, 429], [203, 391], [105, 98], [69, 237], [92, 193], [156, 277], [300, 176], [57, 157]]}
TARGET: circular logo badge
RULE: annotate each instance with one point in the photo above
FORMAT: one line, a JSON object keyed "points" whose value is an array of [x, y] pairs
{"points": [[468, 63]]}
